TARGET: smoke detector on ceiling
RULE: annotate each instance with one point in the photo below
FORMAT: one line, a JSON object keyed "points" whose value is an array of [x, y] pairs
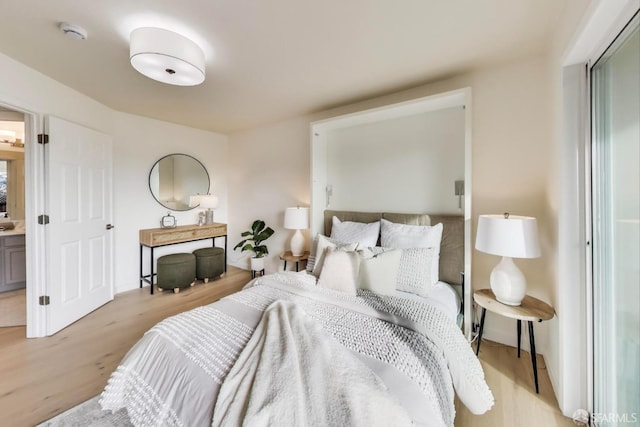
{"points": [[73, 31]]}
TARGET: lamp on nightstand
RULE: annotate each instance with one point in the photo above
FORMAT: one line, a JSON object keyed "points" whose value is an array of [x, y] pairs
{"points": [[297, 219], [508, 236]]}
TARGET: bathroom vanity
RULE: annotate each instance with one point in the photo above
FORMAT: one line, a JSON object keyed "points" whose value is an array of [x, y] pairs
{"points": [[12, 260]]}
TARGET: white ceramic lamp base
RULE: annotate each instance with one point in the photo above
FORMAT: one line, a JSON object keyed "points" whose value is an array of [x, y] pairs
{"points": [[297, 243], [508, 283]]}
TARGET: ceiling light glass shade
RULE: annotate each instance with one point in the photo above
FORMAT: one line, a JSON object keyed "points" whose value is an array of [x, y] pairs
{"points": [[166, 56]]}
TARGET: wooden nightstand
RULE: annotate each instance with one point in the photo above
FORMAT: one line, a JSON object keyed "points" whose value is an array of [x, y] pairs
{"points": [[289, 257], [531, 309]]}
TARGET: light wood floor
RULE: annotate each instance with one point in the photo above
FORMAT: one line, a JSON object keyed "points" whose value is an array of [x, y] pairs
{"points": [[516, 401], [13, 308], [39, 378]]}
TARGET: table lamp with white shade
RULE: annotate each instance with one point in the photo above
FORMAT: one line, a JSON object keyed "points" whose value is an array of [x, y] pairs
{"points": [[208, 202], [508, 236], [297, 219]]}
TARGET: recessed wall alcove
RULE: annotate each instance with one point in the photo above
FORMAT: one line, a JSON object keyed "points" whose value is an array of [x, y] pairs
{"points": [[404, 157]]}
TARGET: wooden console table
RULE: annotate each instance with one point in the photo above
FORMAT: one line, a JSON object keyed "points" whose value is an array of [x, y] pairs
{"points": [[156, 237]]}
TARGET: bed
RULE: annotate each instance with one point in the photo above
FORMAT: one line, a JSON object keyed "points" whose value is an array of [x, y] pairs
{"points": [[312, 348]]}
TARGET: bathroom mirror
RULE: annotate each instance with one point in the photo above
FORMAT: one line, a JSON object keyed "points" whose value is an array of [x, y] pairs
{"points": [[175, 178]]}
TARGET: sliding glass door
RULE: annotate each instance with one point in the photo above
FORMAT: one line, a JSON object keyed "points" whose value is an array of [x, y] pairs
{"points": [[616, 230]]}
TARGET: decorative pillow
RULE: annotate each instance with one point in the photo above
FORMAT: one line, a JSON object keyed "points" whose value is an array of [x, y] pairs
{"points": [[316, 255], [402, 236], [355, 232], [416, 271], [340, 271], [323, 244], [379, 272]]}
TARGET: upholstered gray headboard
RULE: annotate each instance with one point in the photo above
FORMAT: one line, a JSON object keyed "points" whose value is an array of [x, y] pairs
{"points": [[451, 248]]}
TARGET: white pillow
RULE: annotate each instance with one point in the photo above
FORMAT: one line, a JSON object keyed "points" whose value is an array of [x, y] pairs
{"points": [[401, 236], [315, 255], [325, 243], [340, 271], [355, 232], [379, 272], [416, 271]]}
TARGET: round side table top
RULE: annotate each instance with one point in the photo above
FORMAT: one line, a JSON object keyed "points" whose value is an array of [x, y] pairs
{"points": [[531, 309], [288, 256]]}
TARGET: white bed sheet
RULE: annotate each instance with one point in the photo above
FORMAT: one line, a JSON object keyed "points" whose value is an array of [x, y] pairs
{"points": [[443, 296]]}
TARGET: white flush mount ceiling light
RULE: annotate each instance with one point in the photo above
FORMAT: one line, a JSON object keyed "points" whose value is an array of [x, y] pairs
{"points": [[166, 56], [73, 31]]}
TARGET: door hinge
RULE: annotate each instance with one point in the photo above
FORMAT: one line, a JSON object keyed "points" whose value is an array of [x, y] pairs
{"points": [[43, 219], [44, 300], [43, 138]]}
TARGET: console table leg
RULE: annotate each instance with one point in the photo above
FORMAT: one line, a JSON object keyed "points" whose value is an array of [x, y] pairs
{"points": [[151, 276], [534, 362], [484, 312], [519, 335], [141, 273]]}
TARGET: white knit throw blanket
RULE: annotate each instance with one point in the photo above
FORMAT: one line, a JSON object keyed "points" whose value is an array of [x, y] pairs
{"points": [[291, 372]]}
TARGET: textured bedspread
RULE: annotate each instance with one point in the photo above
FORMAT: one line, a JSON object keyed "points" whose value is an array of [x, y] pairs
{"points": [[172, 376]]}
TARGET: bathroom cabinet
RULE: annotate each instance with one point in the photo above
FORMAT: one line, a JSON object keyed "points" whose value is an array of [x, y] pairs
{"points": [[12, 262]]}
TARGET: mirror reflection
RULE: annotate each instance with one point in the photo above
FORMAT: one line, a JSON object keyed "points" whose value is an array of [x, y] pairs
{"points": [[12, 194], [176, 177]]}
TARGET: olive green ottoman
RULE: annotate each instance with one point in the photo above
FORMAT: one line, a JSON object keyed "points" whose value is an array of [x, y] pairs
{"points": [[176, 271], [209, 263]]}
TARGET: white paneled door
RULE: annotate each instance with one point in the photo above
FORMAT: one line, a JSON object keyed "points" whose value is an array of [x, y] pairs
{"points": [[79, 240]]}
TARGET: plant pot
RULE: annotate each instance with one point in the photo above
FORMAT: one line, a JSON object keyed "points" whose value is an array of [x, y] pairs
{"points": [[257, 264]]}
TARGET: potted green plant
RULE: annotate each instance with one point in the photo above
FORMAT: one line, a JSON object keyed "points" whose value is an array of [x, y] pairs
{"points": [[253, 242]]}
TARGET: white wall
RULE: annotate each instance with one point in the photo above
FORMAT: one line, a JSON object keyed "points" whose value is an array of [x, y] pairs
{"points": [[138, 143], [422, 154], [512, 151], [512, 157], [268, 172], [25, 88], [567, 358]]}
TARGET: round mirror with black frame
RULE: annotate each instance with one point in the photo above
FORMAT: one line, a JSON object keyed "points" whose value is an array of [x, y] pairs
{"points": [[175, 178]]}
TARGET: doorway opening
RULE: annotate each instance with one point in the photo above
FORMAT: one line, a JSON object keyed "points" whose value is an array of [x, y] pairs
{"points": [[12, 219]]}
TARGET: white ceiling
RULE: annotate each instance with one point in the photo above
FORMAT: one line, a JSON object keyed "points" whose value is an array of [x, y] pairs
{"points": [[272, 59]]}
